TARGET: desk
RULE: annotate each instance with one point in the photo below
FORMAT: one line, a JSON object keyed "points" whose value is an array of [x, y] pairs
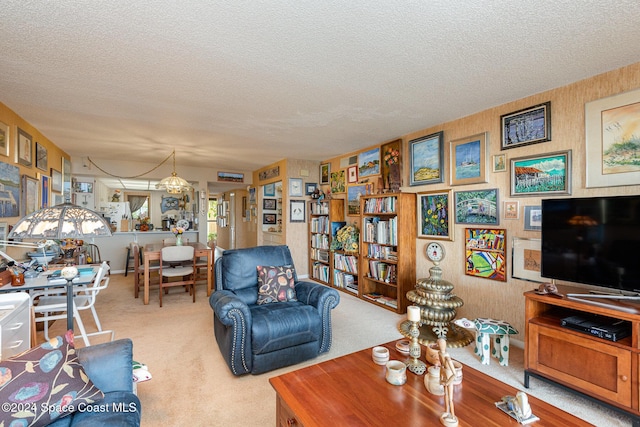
{"points": [[331, 393], [152, 252], [42, 282]]}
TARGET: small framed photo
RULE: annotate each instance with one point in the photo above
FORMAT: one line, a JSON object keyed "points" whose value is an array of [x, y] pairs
{"points": [[526, 259], [325, 173], [426, 158], [547, 175], [434, 215], [533, 218], [269, 190], [469, 160], [511, 209], [252, 195], [269, 219], [352, 174], [297, 211], [269, 204], [527, 126], [477, 207], [310, 188], [42, 160], [295, 187], [24, 147], [4, 139], [56, 181], [499, 163]]}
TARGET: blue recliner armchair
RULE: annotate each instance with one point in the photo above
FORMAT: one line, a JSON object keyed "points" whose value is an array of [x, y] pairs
{"points": [[259, 338]]}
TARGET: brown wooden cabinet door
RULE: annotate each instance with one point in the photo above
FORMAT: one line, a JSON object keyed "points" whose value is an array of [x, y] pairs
{"points": [[588, 364]]}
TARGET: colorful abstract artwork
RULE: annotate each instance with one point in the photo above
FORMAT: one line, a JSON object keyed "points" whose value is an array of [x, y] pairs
{"points": [[485, 251]]}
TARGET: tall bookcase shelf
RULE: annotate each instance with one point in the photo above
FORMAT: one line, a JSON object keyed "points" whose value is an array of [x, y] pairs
{"points": [[387, 248], [321, 215], [345, 271]]}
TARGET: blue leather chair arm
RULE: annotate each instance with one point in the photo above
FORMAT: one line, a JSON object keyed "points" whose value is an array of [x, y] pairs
{"points": [[324, 299], [109, 365], [232, 325]]}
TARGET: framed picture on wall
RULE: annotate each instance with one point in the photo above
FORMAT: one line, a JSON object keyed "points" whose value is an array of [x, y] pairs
{"points": [[526, 255], [338, 184], [426, 157], [29, 197], [354, 192], [485, 253], [533, 218], [545, 175], [369, 162], [269, 204], [4, 139], [527, 126], [24, 146], [310, 188], [44, 191], [469, 159], [295, 187], [3, 235], [56, 181], [477, 207], [434, 215], [325, 173], [269, 190], [352, 174], [269, 219], [42, 157], [297, 209], [613, 151]]}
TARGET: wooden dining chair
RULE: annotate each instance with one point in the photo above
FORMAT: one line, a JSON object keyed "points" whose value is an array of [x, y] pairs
{"points": [[183, 267], [138, 268]]}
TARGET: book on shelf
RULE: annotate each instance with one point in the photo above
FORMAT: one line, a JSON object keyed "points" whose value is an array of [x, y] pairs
{"points": [[372, 296]]}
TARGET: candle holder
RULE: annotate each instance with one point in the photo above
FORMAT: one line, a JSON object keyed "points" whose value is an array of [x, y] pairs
{"points": [[414, 364]]}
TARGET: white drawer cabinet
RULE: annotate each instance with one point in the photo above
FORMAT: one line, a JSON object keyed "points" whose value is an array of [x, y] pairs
{"points": [[15, 326]]}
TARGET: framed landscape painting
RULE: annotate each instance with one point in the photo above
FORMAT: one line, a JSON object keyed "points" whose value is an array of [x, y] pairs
{"points": [[541, 175], [354, 192], [369, 163], [469, 160], [613, 140], [426, 157], [434, 215], [477, 207]]}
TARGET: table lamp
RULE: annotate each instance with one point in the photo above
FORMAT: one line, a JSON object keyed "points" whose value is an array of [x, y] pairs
{"points": [[64, 221]]}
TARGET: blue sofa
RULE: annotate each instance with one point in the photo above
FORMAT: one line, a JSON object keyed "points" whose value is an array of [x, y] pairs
{"points": [[109, 366], [259, 338]]}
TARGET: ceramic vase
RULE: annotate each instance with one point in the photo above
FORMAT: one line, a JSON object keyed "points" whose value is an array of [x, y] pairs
{"points": [[179, 240]]}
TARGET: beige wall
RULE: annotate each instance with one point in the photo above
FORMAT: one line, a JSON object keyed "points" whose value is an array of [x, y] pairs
{"points": [[504, 300]]}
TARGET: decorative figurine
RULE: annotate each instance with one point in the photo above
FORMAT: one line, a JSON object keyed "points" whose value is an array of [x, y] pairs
{"points": [[447, 377]]}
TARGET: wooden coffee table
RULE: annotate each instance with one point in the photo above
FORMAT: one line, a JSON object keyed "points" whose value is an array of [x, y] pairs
{"points": [[352, 391]]}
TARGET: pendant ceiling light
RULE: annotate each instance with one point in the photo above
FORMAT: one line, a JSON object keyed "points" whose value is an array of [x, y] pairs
{"points": [[174, 184]]}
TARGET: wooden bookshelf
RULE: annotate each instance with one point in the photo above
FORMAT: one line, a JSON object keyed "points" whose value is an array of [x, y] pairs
{"points": [[387, 249], [321, 215]]}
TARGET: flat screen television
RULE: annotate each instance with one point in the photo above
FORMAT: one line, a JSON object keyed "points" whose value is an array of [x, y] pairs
{"points": [[593, 241]]}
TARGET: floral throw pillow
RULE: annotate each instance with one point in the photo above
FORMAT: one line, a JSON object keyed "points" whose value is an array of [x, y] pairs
{"points": [[275, 284], [44, 383]]}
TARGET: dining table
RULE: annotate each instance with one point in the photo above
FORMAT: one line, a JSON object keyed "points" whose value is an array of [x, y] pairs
{"points": [[152, 251], [44, 280]]}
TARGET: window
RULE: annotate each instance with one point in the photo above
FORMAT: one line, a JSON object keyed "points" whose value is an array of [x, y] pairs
{"points": [[139, 204]]}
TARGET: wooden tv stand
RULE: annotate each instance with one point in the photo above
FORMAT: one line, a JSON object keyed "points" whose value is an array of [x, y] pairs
{"points": [[600, 369]]}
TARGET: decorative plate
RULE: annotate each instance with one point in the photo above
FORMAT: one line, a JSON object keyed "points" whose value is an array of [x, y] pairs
{"points": [[183, 223]]}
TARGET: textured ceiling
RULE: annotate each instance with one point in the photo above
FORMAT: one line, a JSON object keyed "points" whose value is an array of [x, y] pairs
{"points": [[236, 85]]}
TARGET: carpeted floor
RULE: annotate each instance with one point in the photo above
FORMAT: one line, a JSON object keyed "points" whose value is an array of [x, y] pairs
{"points": [[192, 385]]}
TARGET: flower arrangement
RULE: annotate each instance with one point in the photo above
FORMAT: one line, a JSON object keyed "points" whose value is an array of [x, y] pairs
{"points": [[177, 230], [145, 220], [391, 156], [346, 239]]}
